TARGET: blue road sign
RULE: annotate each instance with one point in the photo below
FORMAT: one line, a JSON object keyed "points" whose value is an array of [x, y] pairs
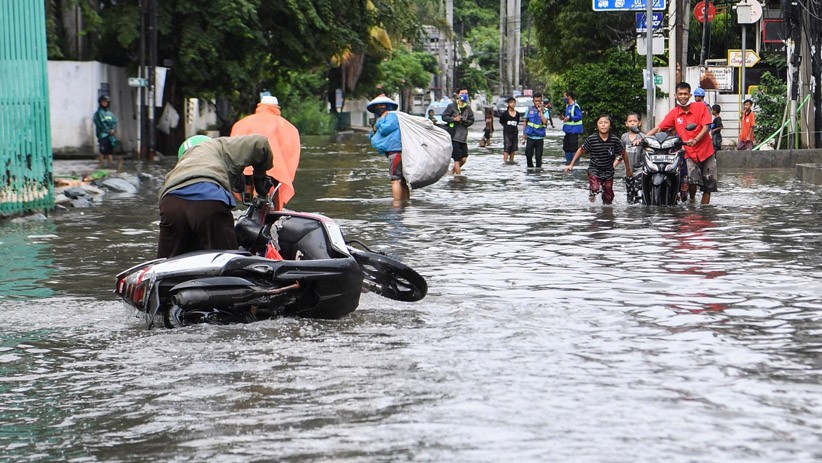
{"points": [[642, 23], [627, 5]]}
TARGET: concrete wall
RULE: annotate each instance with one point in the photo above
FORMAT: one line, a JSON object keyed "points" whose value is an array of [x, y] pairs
{"points": [[770, 159], [73, 92], [810, 173]]}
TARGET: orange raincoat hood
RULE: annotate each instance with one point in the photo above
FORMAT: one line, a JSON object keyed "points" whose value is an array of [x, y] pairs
{"points": [[284, 140]]}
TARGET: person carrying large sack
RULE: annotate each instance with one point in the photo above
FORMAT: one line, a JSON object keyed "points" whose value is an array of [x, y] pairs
{"points": [[385, 137]]}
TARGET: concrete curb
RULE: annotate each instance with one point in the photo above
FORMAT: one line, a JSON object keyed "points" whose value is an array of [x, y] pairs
{"points": [[771, 159]]}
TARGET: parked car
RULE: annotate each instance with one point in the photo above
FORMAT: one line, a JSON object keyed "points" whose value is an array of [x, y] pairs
{"points": [[523, 103], [500, 105], [439, 108]]}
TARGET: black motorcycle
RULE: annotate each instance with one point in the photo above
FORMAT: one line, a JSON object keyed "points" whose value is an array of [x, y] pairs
{"points": [[660, 177], [288, 264]]}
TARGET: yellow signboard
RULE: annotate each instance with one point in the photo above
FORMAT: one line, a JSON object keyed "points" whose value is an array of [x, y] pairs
{"points": [[735, 58]]}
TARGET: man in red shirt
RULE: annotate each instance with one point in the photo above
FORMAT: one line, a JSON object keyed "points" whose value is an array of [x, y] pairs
{"points": [[699, 151]]}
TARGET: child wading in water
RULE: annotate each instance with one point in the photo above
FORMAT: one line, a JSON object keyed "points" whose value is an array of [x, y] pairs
{"points": [[632, 141], [510, 123], [602, 149]]}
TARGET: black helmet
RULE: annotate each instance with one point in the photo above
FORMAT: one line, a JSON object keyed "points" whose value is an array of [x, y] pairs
{"points": [[103, 97]]}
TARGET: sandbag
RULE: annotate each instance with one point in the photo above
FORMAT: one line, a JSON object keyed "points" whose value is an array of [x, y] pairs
{"points": [[426, 150]]}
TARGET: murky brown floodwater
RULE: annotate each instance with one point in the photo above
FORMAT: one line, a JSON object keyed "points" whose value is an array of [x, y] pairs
{"points": [[553, 330]]}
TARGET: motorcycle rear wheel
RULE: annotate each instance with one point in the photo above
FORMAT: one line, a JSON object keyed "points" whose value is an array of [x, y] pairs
{"points": [[390, 278]]}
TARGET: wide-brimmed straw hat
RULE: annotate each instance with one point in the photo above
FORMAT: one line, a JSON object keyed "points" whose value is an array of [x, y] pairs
{"points": [[382, 99]]}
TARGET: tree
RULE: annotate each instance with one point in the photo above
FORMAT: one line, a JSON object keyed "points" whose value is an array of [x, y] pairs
{"points": [[569, 32], [405, 70], [612, 86], [770, 101]]}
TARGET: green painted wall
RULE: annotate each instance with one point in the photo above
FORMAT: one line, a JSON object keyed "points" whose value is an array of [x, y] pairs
{"points": [[25, 136]]}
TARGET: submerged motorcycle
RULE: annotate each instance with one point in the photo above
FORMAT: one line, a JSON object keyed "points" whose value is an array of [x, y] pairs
{"points": [[288, 264], [660, 177]]}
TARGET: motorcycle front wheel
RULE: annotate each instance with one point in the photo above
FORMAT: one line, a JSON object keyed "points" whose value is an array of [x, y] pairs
{"points": [[390, 278]]}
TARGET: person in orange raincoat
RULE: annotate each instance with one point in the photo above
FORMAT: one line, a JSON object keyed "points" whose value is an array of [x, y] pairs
{"points": [[283, 138]]}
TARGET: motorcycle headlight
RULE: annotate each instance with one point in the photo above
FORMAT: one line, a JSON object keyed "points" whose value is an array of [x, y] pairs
{"points": [[669, 143], [651, 142]]}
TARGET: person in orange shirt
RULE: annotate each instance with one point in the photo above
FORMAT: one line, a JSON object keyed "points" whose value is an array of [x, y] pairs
{"points": [[746, 130], [283, 138]]}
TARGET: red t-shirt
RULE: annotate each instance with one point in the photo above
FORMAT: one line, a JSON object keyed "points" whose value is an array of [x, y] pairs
{"points": [[678, 118]]}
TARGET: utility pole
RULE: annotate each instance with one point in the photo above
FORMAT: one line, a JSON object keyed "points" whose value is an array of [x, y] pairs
{"points": [[152, 60], [649, 64], [704, 54], [509, 50], [141, 73], [503, 21], [450, 52]]}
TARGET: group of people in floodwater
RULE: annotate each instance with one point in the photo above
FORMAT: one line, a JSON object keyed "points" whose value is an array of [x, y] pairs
{"points": [[605, 150]]}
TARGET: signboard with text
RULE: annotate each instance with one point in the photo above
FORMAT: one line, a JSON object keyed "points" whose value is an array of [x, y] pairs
{"points": [[642, 21], [735, 58], [627, 5], [719, 78]]}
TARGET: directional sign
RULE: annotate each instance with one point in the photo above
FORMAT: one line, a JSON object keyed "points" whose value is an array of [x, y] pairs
{"points": [[137, 82], [642, 23], [735, 58], [627, 5]]}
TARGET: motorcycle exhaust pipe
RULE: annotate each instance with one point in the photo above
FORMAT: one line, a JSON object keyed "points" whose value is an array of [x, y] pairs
{"points": [[198, 298]]}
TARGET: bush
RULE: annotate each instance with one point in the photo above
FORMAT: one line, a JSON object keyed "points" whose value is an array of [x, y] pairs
{"points": [[612, 86], [310, 117], [769, 100]]}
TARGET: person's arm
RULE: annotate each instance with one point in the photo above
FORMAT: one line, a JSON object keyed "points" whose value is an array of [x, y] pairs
{"points": [[574, 160], [542, 117], [388, 123], [666, 124], [468, 120], [448, 114], [625, 159], [576, 113], [702, 134]]}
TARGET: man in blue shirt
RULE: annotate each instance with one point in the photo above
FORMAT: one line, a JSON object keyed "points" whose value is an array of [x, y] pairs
{"points": [[572, 126], [534, 133]]}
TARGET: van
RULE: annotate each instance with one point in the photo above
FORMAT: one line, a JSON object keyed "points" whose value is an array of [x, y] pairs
{"points": [[439, 108]]}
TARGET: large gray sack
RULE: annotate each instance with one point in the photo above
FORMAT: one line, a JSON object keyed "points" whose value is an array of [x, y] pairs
{"points": [[426, 150]]}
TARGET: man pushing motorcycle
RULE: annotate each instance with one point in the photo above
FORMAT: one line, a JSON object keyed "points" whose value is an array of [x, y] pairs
{"points": [[699, 151], [196, 198]]}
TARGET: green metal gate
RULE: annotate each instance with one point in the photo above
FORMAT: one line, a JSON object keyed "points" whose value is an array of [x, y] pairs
{"points": [[25, 134]]}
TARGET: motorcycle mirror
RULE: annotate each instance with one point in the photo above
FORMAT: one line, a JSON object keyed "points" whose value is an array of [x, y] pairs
{"points": [[634, 129], [690, 126]]}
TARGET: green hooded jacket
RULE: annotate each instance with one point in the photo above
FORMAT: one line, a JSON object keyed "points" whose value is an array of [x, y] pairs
{"points": [[220, 161]]}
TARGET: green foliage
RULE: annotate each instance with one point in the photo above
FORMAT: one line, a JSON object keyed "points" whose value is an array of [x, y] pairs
{"points": [[569, 32], [477, 23], [612, 86], [310, 117], [723, 33], [472, 78], [406, 69], [54, 40], [770, 103], [484, 42]]}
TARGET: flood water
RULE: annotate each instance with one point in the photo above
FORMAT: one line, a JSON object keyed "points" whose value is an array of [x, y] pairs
{"points": [[554, 330]]}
